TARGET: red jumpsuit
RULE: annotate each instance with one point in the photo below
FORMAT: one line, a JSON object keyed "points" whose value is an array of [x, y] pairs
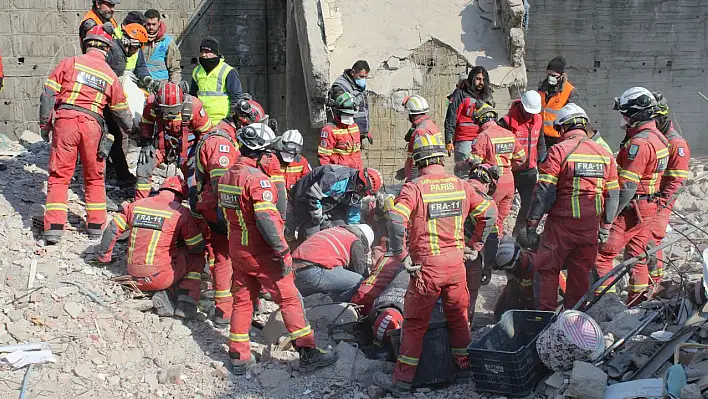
{"points": [[380, 276], [497, 146], [577, 188], [674, 176], [340, 145], [257, 248], [641, 161], [75, 94], [156, 259], [295, 170], [215, 153], [423, 125], [434, 207], [172, 138]]}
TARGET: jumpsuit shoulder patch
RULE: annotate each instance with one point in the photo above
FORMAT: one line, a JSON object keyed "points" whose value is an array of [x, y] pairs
{"points": [[682, 151], [267, 196], [323, 135], [202, 113], [224, 160], [264, 183], [224, 148], [323, 143], [633, 151]]}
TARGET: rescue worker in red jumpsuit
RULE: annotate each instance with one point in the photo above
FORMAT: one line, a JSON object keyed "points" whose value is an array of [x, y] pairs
{"points": [[172, 122], [577, 188], [674, 176], [524, 120], [293, 164], [495, 145], [259, 254], [166, 247], [340, 140], [642, 160], [70, 105], [433, 208], [381, 274], [421, 124]]}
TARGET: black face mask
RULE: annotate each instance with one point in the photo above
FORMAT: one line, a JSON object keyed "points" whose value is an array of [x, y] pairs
{"points": [[209, 63]]}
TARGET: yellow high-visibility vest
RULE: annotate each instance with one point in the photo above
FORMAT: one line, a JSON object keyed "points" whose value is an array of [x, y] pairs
{"points": [[212, 90]]}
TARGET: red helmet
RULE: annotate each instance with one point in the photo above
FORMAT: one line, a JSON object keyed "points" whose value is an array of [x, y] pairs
{"points": [[98, 34], [390, 319], [169, 99], [372, 180], [248, 111], [176, 185]]}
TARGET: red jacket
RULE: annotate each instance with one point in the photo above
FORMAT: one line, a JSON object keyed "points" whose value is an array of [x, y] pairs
{"points": [[247, 197], [497, 146], [424, 125], [528, 129], [433, 209], [87, 82], [643, 159], [170, 134], [575, 179], [677, 167], [295, 170], [340, 145], [383, 272], [332, 248], [157, 224]]}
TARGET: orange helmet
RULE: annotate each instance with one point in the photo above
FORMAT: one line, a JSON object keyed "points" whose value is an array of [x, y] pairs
{"points": [[390, 319], [372, 180], [136, 33], [176, 185]]}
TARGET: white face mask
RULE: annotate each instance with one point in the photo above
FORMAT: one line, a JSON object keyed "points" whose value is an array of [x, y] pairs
{"points": [[347, 120], [552, 80]]}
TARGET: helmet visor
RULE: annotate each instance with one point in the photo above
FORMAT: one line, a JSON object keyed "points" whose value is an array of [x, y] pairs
{"points": [[287, 157]]}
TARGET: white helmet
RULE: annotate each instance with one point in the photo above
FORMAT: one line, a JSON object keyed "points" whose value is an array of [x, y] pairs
{"points": [[256, 136], [634, 101], [291, 142], [571, 114], [367, 232], [531, 101], [507, 254], [416, 105]]}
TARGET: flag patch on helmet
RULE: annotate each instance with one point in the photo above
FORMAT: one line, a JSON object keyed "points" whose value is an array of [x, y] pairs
{"points": [[224, 148], [264, 183]]}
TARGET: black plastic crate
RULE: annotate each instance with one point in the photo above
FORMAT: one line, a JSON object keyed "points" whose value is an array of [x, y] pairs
{"points": [[504, 360]]}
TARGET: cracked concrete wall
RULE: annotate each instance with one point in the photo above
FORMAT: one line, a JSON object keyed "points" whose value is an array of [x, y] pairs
{"points": [[611, 46], [412, 46], [35, 35]]}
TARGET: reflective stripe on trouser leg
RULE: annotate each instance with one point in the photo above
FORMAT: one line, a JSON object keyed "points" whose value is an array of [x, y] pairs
{"points": [[143, 186], [62, 162], [222, 273], [94, 178], [245, 289], [658, 232], [191, 281], [286, 296], [456, 300], [608, 251]]}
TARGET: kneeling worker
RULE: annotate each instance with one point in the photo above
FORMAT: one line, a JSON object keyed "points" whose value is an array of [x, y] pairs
{"points": [[157, 260], [333, 261]]}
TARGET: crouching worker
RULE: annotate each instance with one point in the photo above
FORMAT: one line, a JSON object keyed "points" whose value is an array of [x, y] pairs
{"points": [[166, 248], [333, 261]]}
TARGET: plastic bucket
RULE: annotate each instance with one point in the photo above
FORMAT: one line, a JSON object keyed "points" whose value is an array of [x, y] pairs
{"points": [[574, 336]]}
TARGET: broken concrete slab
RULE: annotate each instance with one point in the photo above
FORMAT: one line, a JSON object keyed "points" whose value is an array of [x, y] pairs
{"points": [[274, 328], [652, 388], [586, 382], [353, 361], [274, 378], [624, 323], [691, 391], [73, 309], [29, 138]]}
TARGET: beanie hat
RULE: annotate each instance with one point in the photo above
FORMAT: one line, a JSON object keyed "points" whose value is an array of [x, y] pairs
{"points": [[209, 43], [557, 65], [134, 17]]}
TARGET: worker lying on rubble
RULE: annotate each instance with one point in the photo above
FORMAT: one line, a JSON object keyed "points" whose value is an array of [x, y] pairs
{"points": [[260, 256], [431, 209], [328, 196], [333, 261], [380, 276], [166, 248], [172, 122]]}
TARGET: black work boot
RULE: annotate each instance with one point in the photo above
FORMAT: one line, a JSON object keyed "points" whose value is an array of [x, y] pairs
{"points": [[398, 389], [219, 320], [111, 206], [163, 304], [315, 358], [53, 237], [186, 307], [238, 366]]}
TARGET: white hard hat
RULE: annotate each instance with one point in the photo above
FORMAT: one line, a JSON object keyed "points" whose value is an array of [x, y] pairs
{"points": [[416, 105], [634, 100], [571, 112], [531, 101], [367, 232], [256, 136], [291, 142], [507, 253]]}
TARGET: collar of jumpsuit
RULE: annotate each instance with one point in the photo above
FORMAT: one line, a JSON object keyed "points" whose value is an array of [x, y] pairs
{"points": [[631, 131], [572, 134], [432, 170]]}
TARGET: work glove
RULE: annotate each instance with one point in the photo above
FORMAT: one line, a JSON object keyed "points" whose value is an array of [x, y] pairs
{"points": [[150, 84], [400, 174], [450, 148], [486, 275], [286, 263], [412, 269], [604, 233], [370, 138], [147, 153], [529, 238], [317, 216], [470, 254], [45, 132]]}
